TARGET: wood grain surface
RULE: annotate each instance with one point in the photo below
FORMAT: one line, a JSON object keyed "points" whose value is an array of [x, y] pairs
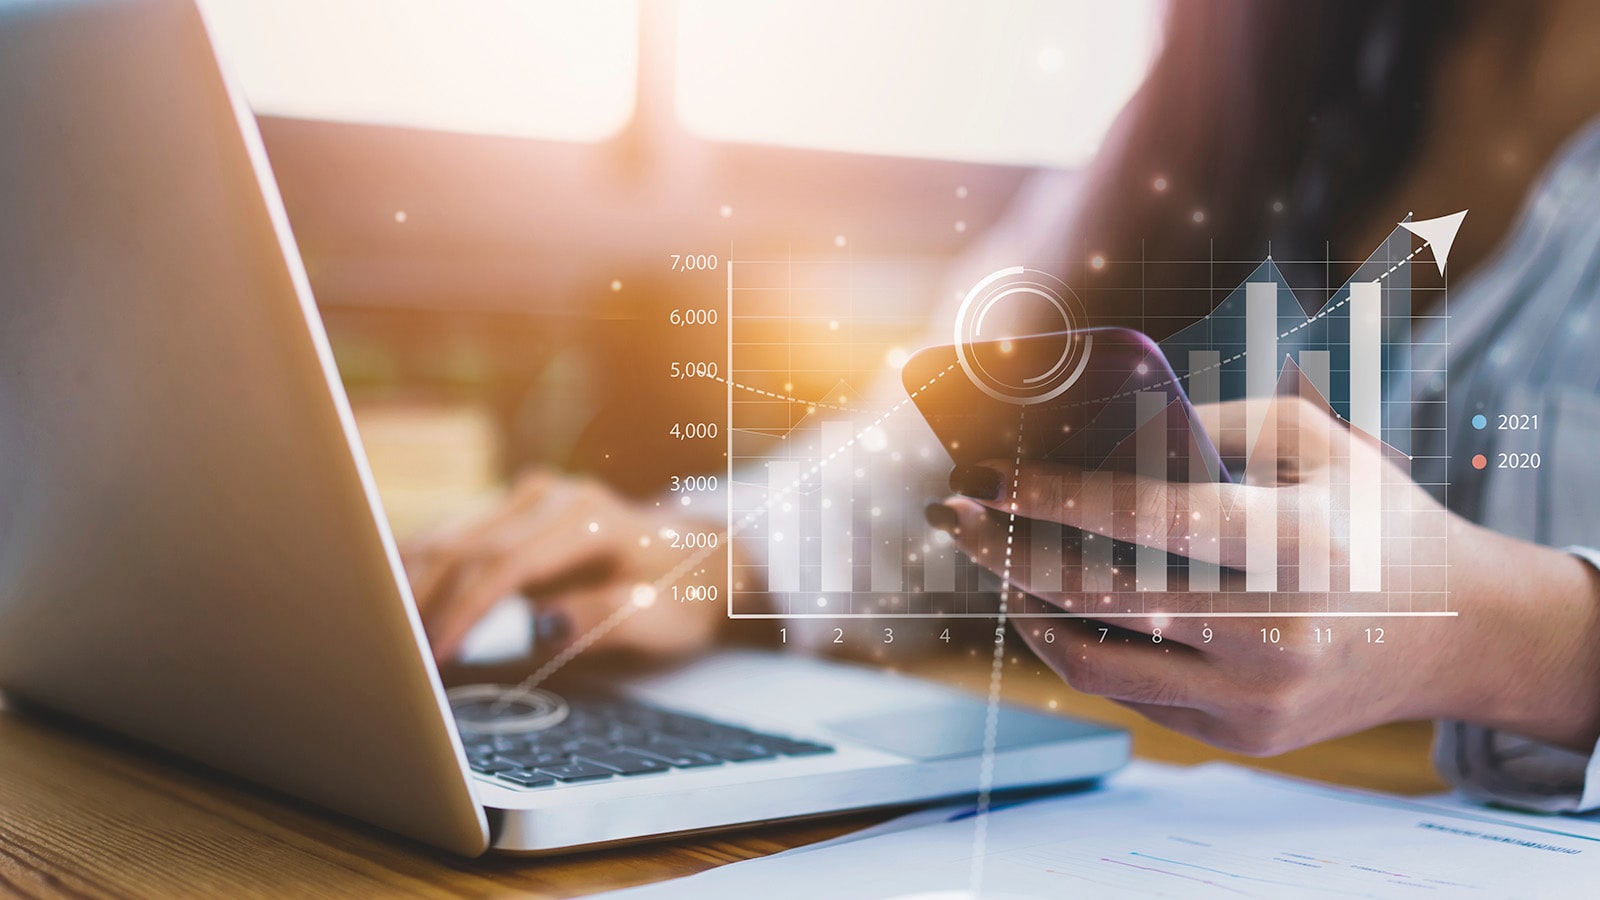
{"points": [[83, 814]]}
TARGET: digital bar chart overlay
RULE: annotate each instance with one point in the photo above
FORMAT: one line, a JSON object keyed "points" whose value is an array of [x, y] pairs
{"points": [[826, 482]]}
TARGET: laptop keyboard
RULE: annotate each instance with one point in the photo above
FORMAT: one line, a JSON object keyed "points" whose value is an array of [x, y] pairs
{"points": [[607, 738]]}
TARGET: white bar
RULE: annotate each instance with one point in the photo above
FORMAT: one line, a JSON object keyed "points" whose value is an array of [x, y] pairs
{"points": [[838, 482], [1366, 414], [1150, 461], [939, 556], [1204, 387], [1366, 518], [1261, 349], [888, 526], [1314, 364], [1096, 555], [1044, 540], [783, 527], [1366, 357], [1261, 466], [1314, 523]]}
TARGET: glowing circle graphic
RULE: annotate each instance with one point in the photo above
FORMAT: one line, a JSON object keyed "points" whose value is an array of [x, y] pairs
{"points": [[983, 338]]}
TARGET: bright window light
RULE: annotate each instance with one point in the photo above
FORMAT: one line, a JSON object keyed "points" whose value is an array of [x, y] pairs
{"points": [[552, 69], [1028, 82]]}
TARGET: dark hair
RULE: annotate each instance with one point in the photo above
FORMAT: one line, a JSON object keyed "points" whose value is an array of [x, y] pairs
{"points": [[1275, 121]]}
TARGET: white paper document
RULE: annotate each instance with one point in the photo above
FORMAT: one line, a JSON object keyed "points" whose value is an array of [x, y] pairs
{"points": [[1155, 831]]}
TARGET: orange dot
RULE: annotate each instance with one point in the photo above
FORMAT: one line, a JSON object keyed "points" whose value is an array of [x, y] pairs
{"points": [[1479, 461]]}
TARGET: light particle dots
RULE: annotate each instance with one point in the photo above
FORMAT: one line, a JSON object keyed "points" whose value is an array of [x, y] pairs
{"points": [[643, 596], [961, 192], [1479, 422], [1159, 184], [896, 357], [594, 527], [1479, 461], [1097, 262], [839, 241], [1198, 216], [616, 284], [400, 216], [961, 226], [833, 324], [726, 211]]}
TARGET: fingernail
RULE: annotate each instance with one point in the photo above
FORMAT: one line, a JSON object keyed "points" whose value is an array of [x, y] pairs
{"points": [[977, 482], [941, 517], [554, 626]]}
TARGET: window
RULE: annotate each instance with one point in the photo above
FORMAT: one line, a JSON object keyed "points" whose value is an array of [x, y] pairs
{"points": [[1031, 82], [553, 69]]}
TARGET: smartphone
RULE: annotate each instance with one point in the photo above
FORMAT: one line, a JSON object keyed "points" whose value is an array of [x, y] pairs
{"points": [[1098, 399], [1095, 398]]}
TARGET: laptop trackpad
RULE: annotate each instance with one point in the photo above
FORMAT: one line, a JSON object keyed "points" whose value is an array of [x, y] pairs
{"points": [[945, 730]]}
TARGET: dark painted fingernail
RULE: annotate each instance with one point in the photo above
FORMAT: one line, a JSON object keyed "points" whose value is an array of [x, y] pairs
{"points": [[553, 627], [977, 482], [941, 517]]}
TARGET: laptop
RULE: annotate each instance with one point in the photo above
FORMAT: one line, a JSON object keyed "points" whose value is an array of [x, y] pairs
{"points": [[192, 549]]}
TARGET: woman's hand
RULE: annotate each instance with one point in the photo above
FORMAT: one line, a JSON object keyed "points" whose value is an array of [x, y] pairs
{"points": [[1521, 656], [573, 546]]}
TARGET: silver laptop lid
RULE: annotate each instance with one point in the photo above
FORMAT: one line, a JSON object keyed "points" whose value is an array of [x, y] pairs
{"points": [[191, 546]]}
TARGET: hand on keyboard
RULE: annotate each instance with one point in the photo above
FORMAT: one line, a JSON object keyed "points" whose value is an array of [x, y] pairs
{"points": [[575, 547]]}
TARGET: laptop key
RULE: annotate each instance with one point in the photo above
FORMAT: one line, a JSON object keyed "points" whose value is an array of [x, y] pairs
{"points": [[740, 751], [493, 766], [577, 771], [536, 760], [797, 748], [679, 757], [527, 779], [626, 763]]}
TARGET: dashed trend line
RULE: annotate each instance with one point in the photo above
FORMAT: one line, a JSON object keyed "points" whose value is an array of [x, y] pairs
{"points": [[1321, 313], [816, 404], [991, 719], [772, 499]]}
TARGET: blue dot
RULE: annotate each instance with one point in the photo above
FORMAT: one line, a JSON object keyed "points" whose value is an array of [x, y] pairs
{"points": [[1479, 422]]}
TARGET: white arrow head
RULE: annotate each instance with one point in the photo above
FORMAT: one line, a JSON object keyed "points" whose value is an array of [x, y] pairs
{"points": [[1440, 233]]}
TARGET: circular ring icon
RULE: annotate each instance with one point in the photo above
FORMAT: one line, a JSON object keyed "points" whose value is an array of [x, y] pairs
{"points": [[504, 709], [1054, 372]]}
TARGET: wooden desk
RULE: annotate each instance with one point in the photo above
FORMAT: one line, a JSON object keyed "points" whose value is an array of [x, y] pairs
{"points": [[83, 816]]}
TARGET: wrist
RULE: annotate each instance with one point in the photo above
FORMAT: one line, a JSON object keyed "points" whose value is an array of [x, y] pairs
{"points": [[1529, 661]]}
